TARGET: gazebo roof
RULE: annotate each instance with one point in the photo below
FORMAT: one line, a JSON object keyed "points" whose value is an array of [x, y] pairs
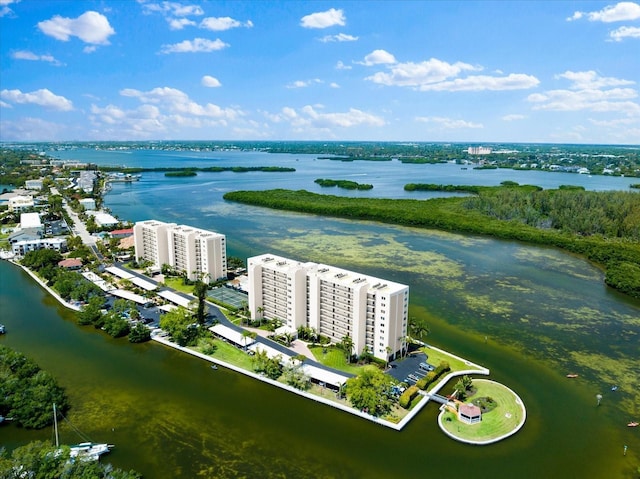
{"points": [[469, 410]]}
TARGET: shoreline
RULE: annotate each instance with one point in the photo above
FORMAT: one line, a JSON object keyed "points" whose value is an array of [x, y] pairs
{"points": [[383, 422]]}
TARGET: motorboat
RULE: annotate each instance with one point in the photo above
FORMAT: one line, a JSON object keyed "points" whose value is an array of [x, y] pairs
{"points": [[633, 424], [2, 329], [572, 375]]}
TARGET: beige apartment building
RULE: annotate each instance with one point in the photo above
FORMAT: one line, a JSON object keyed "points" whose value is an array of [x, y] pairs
{"points": [[198, 253], [335, 302]]}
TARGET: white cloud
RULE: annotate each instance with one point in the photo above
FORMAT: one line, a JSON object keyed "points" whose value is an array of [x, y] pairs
{"points": [[513, 117], [340, 37], [448, 123], [378, 57], [621, 33], [174, 9], [4, 7], [223, 23], [323, 19], [342, 66], [591, 80], [303, 83], [309, 118], [180, 23], [195, 45], [90, 27], [27, 55], [177, 101], [419, 74], [334, 85], [210, 81], [42, 97], [619, 12], [31, 129], [514, 81], [615, 99]]}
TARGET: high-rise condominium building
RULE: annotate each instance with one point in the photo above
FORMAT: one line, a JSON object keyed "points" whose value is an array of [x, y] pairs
{"points": [[334, 302], [196, 252]]}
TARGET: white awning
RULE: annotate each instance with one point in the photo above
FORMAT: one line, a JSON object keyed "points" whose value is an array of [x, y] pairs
{"points": [[143, 283], [121, 293], [119, 272], [271, 352], [167, 307], [231, 335], [174, 298], [322, 375]]}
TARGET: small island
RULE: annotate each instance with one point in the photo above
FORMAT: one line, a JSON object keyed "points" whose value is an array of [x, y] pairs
{"points": [[345, 184]]}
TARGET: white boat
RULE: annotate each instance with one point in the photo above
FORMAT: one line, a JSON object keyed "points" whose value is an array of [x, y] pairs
{"points": [[2, 329], [85, 451]]}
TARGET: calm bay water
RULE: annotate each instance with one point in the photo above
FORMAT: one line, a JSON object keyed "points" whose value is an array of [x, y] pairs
{"points": [[544, 313]]}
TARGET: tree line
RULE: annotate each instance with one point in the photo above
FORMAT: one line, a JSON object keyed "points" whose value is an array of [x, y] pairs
{"points": [[574, 213]]}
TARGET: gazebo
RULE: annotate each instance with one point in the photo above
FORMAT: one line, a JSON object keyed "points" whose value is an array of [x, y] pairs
{"points": [[469, 413]]}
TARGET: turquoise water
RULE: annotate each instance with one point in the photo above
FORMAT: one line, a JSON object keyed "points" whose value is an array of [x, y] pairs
{"points": [[544, 313]]}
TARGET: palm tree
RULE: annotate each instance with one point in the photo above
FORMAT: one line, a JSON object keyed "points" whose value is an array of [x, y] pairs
{"points": [[347, 345], [260, 311], [388, 350]]}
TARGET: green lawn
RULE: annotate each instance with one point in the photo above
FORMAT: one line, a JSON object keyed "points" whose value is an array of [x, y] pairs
{"points": [[498, 422], [176, 283], [335, 358], [230, 354], [435, 357]]}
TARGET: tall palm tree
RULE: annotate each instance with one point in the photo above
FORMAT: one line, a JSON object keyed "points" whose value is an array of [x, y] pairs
{"points": [[347, 345]]}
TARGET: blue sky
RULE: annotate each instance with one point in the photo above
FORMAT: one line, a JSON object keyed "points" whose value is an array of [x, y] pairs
{"points": [[469, 71]]}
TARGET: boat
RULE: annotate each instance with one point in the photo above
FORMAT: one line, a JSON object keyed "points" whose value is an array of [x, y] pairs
{"points": [[214, 366], [572, 375], [614, 388], [84, 451], [2, 329], [633, 424]]}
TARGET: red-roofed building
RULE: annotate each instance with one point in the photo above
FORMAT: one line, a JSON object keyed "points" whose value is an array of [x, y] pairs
{"points": [[70, 263], [469, 413], [122, 233]]}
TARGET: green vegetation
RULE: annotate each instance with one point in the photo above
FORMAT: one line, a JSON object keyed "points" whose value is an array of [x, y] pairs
{"points": [[603, 226], [181, 325], [334, 357], [503, 416], [27, 393], [174, 171], [345, 184], [181, 173], [39, 459], [369, 392]]}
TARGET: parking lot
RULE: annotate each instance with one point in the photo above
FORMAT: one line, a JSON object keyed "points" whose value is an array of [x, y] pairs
{"points": [[410, 369]]}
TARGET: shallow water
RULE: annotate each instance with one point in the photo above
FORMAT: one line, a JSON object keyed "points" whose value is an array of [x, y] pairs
{"points": [[544, 313]]}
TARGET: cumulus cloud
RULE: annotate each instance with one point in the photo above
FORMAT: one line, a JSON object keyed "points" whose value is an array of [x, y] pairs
{"points": [[176, 101], [180, 23], [303, 83], [28, 55], [591, 80], [4, 7], [90, 27], [310, 118], [591, 92], [31, 129], [619, 12], [194, 46], [210, 81], [419, 74], [174, 9], [42, 97], [448, 123], [439, 75], [340, 37], [513, 117], [223, 23], [323, 19], [621, 33], [378, 57]]}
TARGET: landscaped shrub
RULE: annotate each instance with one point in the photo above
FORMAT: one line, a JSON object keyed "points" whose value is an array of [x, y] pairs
{"points": [[432, 376], [407, 396]]}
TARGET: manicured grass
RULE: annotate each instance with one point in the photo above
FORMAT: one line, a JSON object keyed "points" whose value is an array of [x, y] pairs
{"points": [[176, 283], [335, 358], [230, 354], [496, 423], [435, 357]]}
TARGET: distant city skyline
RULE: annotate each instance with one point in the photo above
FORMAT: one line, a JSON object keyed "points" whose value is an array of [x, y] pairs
{"points": [[420, 71]]}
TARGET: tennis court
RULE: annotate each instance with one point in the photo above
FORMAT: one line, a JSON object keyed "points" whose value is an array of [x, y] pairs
{"points": [[229, 296]]}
